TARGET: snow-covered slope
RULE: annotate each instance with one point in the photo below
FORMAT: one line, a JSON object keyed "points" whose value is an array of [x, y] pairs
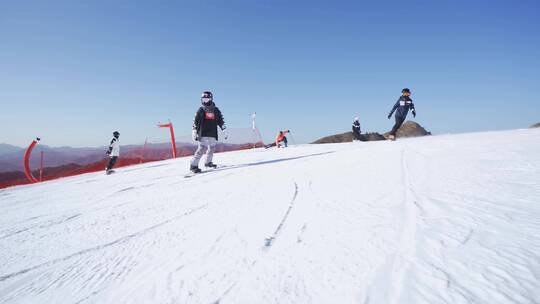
{"points": [[442, 219]]}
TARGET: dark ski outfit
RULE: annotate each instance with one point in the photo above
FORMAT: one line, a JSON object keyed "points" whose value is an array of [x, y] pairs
{"points": [[205, 124], [403, 105], [113, 151], [356, 129]]}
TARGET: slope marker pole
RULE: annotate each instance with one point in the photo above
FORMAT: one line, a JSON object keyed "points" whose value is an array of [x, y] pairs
{"points": [[26, 160], [173, 141]]}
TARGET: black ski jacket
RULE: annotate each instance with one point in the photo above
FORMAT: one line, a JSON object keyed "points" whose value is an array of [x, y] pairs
{"points": [[206, 121], [356, 127], [403, 105]]}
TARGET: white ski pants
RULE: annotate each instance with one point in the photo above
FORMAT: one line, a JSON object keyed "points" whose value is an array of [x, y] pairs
{"points": [[205, 143]]}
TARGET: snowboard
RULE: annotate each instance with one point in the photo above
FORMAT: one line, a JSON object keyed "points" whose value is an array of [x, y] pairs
{"points": [[207, 170]]}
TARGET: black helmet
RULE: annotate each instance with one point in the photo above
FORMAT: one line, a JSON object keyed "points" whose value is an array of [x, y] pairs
{"points": [[406, 90], [116, 134], [207, 97]]}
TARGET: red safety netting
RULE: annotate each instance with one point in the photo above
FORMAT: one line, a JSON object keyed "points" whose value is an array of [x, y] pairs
{"points": [[156, 145]]}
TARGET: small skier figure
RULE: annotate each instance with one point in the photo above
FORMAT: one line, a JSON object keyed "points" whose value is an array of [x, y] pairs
{"points": [[279, 138], [113, 152], [403, 105], [356, 129], [205, 124]]}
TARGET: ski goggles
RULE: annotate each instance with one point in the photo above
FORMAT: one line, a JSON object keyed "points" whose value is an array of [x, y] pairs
{"points": [[206, 99]]}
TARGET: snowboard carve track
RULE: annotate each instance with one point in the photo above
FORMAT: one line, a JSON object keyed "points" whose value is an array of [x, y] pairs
{"points": [[407, 243], [103, 246], [269, 241], [467, 237], [397, 264], [41, 226]]}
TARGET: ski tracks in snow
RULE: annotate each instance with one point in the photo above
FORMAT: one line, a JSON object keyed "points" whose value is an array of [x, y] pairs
{"points": [[48, 278], [407, 243], [45, 225], [395, 268], [269, 241], [463, 241]]}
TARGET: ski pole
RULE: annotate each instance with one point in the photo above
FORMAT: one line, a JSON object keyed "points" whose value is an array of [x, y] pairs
{"points": [[294, 141]]}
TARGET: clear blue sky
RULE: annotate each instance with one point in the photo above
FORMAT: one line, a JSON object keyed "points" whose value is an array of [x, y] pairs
{"points": [[74, 71]]}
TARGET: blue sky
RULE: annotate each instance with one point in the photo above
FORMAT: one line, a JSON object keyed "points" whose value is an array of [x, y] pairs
{"points": [[74, 71]]}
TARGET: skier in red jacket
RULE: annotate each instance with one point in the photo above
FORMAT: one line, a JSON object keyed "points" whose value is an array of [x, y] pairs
{"points": [[279, 138]]}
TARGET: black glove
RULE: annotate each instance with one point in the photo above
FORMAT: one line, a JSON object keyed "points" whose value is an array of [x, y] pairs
{"points": [[389, 115], [414, 113], [108, 151]]}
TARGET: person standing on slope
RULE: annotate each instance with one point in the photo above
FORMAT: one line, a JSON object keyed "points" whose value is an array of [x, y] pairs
{"points": [[113, 152], [403, 105], [205, 124], [356, 129]]}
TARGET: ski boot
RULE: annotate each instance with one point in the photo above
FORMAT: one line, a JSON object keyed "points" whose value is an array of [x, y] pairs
{"points": [[194, 169], [210, 165]]}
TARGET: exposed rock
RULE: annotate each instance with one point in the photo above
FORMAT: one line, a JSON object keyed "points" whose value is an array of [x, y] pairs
{"points": [[338, 138], [408, 129], [373, 136], [348, 137], [536, 125]]}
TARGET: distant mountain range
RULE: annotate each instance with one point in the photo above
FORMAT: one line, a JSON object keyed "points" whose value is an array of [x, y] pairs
{"points": [[11, 157], [66, 161], [8, 149]]}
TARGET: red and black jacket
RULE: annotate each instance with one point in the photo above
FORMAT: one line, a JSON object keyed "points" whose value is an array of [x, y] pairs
{"points": [[206, 121]]}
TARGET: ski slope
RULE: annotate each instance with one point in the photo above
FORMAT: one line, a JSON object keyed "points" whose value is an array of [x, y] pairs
{"points": [[441, 219]]}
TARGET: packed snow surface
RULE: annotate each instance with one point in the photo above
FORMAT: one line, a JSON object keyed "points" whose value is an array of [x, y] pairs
{"points": [[441, 219]]}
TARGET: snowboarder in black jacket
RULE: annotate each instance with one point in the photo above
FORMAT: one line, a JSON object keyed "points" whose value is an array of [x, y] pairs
{"points": [[403, 105], [356, 129], [205, 124]]}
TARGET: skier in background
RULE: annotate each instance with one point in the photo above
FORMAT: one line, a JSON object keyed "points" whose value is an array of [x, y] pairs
{"points": [[205, 124], [279, 138], [113, 152], [403, 105], [356, 129]]}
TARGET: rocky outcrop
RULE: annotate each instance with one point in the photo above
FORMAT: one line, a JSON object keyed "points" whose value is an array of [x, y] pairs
{"points": [[408, 129], [536, 125], [348, 137], [337, 138]]}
